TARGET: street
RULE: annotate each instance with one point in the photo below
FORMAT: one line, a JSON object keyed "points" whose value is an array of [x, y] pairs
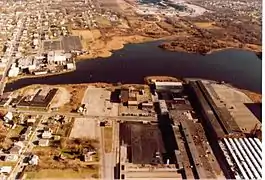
{"points": [[27, 149]]}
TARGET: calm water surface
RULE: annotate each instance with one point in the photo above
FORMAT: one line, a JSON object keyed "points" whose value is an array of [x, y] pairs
{"points": [[136, 61]]}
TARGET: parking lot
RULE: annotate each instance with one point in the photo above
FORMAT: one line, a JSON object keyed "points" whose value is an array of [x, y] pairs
{"points": [[97, 102]]}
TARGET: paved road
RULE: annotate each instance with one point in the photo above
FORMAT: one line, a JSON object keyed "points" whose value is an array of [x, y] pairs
{"points": [[76, 115], [27, 149], [10, 50]]}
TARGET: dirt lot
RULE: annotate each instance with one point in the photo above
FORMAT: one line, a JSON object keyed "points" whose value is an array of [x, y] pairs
{"points": [[77, 93], [108, 139], [97, 101], [63, 174], [85, 127], [61, 98]]}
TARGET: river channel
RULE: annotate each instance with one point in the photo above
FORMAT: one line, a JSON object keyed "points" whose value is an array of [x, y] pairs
{"points": [[136, 61]]}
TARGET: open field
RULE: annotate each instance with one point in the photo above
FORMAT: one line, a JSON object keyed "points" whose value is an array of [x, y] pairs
{"points": [[85, 127], [108, 139], [63, 174], [97, 101], [76, 93]]}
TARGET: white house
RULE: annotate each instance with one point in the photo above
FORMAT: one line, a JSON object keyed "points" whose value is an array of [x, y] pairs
{"points": [[8, 117], [34, 160], [5, 169]]}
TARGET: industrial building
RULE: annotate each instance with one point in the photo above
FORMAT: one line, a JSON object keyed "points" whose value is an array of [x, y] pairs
{"points": [[244, 156], [142, 153], [56, 57], [176, 87], [217, 121]]}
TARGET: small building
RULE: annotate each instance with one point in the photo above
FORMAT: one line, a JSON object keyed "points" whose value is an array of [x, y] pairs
{"points": [[124, 96], [34, 160], [43, 142], [25, 136], [88, 154], [8, 117], [13, 72], [56, 57], [5, 169], [169, 86], [163, 107], [70, 66], [15, 150], [31, 121], [11, 157], [46, 135], [132, 101], [147, 104]]}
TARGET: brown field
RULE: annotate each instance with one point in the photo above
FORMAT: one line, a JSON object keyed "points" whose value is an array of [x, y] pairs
{"points": [[108, 139]]}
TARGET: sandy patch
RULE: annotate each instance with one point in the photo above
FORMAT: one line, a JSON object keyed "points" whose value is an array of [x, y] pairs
{"points": [[206, 25], [84, 128], [101, 48], [62, 97]]}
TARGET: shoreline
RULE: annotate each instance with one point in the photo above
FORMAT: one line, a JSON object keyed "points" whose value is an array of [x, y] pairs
{"points": [[120, 42], [178, 49], [11, 80], [254, 96]]}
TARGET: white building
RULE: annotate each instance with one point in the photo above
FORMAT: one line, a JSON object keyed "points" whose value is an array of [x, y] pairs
{"points": [[56, 57], [34, 160], [70, 66], [5, 169], [8, 117], [13, 72], [46, 135], [11, 157], [163, 107]]}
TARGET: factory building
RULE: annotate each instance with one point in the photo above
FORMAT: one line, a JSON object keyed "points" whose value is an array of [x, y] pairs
{"points": [[244, 157], [56, 57], [27, 63], [13, 72], [163, 107], [175, 87]]}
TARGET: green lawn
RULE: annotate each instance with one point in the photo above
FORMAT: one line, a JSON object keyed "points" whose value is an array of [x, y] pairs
{"points": [[16, 131], [68, 173]]}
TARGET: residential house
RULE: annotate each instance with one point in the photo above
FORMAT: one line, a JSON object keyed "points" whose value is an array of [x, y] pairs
{"points": [[46, 135], [5, 169], [16, 150], [34, 160], [8, 117], [43, 142], [31, 121], [11, 157]]}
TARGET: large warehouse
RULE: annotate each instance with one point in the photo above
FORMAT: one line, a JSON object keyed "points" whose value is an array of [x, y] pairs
{"points": [[244, 156]]}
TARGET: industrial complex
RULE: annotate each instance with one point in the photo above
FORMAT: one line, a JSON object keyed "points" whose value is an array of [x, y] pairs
{"points": [[164, 128]]}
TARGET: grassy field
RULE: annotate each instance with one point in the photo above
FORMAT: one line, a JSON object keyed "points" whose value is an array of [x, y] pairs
{"points": [[108, 139], [3, 163], [67, 173]]}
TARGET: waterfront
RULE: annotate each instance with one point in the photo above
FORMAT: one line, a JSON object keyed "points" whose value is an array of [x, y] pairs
{"points": [[136, 61]]}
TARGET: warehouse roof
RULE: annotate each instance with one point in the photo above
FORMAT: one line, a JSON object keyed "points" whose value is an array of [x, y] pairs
{"points": [[244, 156]]}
